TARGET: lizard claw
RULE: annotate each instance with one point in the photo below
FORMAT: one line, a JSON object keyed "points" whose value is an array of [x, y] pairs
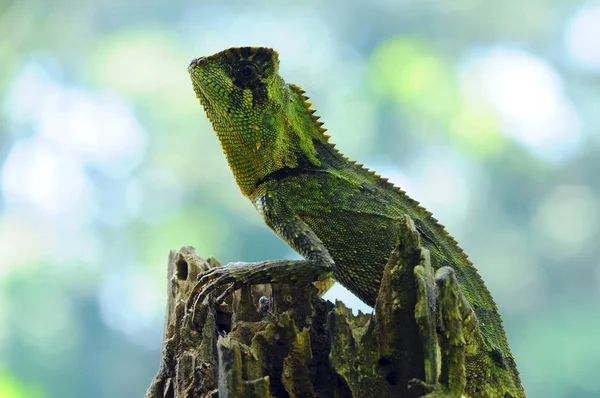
{"points": [[209, 281], [234, 286]]}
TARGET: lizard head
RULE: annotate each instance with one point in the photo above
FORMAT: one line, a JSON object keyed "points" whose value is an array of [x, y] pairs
{"points": [[263, 124]]}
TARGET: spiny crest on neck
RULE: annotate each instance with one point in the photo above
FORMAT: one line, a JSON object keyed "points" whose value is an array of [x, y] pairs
{"points": [[307, 105], [381, 180]]}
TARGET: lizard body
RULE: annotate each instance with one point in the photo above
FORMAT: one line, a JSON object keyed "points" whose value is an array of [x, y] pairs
{"points": [[342, 218]]}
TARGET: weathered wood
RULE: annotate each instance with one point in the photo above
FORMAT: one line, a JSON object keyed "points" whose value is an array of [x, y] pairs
{"points": [[302, 346]]}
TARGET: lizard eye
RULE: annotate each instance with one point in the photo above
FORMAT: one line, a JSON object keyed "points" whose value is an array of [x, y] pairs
{"points": [[247, 72]]}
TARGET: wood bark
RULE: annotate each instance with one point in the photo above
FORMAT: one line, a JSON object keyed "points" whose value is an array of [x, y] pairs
{"points": [[298, 345]]}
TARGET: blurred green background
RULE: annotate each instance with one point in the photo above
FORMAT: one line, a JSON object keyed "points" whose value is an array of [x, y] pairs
{"points": [[485, 111]]}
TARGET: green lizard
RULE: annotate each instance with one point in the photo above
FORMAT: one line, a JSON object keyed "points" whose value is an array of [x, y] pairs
{"points": [[342, 218]]}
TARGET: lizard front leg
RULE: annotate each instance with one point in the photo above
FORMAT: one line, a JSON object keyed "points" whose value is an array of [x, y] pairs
{"points": [[317, 266]]}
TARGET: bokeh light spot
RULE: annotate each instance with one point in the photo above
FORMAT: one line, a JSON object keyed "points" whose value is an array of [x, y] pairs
{"points": [[48, 181], [581, 36], [528, 98], [569, 217]]}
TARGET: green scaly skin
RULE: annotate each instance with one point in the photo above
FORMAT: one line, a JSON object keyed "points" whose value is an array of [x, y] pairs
{"points": [[342, 218]]}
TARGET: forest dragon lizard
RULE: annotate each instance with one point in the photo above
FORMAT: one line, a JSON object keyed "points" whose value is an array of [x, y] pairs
{"points": [[342, 218]]}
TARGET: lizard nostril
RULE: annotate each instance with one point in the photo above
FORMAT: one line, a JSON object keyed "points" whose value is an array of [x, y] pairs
{"points": [[196, 62]]}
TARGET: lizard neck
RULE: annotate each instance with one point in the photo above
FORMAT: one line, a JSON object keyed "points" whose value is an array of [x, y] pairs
{"points": [[240, 151], [278, 137], [252, 157]]}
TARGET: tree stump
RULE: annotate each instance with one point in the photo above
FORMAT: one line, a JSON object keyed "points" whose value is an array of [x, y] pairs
{"points": [[296, 344]]}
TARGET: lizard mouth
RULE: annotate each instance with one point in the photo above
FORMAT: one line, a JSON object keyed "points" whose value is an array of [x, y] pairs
{"points": [[209, 108], [201, 96], [194, 64]]}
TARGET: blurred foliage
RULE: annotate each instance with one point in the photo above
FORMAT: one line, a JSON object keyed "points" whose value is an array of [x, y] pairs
{"points": [[11, 388], [486, 112]]}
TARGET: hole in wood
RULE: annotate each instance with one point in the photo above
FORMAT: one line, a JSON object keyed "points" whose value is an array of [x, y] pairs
{"points": [[385, 366], [182, 269]]}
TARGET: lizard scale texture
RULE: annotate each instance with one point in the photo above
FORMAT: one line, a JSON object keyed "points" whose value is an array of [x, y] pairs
{"points": [[341, 217]]}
